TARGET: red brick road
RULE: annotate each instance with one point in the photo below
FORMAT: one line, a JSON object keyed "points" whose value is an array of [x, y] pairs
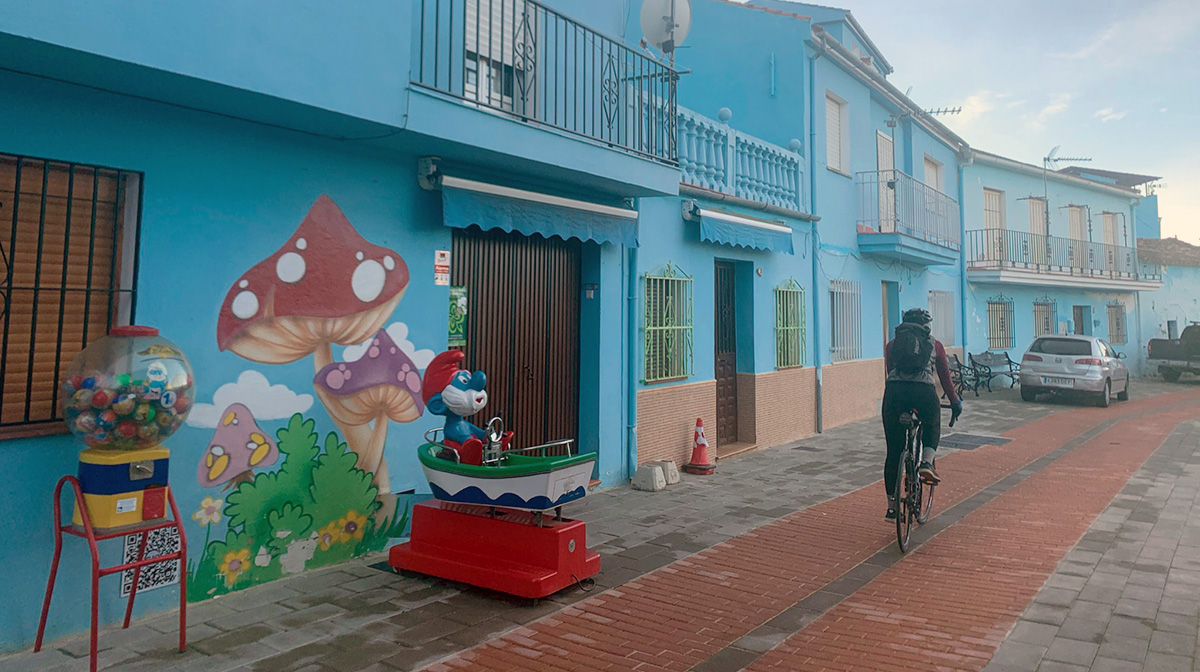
{"points": [[976, 577]]}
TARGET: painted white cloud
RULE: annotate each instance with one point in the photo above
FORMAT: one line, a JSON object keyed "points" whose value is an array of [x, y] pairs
{"points": [[398, 331], [265, 401], [1108, 114]]}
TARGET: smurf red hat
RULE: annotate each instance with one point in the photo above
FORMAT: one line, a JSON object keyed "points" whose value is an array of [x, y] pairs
{"points": [[439, 373]]}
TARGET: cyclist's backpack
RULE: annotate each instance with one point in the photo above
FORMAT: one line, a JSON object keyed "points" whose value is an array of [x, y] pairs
{"points": [[912, 349]]}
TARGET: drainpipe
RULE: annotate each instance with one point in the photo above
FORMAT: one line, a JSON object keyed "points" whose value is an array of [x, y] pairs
{"points": [[630, 367], [1137, 295], [816, 247], [962, 253]]}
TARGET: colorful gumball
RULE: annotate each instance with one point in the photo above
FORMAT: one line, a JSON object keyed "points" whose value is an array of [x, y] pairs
{"points": [[102, 398], [82, 400], [125, 404], [123, 380], [148, 432], [164, 418], [127, 429], [87, 383], [106, 419], [85, 423], [182, 403]]}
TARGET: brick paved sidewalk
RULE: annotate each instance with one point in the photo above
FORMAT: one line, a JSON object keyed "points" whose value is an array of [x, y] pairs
{"points": [[744, 559]]}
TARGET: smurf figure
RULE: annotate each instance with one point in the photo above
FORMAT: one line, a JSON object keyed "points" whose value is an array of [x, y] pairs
{"points": [[156, 381], [456, 394]]}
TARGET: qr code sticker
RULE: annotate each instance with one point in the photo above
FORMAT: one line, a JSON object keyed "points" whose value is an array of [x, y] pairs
{"points": [[162, 541]]}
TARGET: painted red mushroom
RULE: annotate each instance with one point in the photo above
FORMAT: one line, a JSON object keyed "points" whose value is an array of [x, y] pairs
{"points": [[382, 385], [326, 285], [238, 447]]}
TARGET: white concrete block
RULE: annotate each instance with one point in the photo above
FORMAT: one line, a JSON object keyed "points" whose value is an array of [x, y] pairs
{"points": [[649, 477], [670, 471]]}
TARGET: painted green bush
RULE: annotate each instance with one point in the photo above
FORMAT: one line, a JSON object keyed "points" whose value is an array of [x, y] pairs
{"points": [[317, 509]]}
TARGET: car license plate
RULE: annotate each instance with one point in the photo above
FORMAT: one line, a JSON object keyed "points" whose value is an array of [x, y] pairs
{"points": [[1062, 382]]}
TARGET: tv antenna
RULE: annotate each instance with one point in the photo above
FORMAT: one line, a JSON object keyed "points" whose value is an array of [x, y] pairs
{"points": [[941, 111], [1050, 162], [665, 25]]}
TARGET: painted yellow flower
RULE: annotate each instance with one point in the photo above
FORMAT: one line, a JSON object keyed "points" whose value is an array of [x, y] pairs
{"points": [[235, 564], [209, 512], [329, 535], [351, 526]]}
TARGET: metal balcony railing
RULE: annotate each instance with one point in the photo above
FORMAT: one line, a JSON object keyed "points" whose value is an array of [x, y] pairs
{"points": [[998, 249], [892, 201], [525, 59], [715, 156]]}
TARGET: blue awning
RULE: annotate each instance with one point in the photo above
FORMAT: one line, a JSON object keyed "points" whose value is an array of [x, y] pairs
{"points": [[719, 226], [467, 203]]}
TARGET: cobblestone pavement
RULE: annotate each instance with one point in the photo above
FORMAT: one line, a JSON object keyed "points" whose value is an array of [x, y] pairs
{"points": [[763, 564]]}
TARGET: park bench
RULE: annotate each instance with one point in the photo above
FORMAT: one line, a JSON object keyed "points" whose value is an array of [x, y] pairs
{"points": [[991, 365], [963, 376]]}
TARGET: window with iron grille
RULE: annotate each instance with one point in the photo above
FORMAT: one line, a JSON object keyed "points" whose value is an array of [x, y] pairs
{"points": [[68, 244], [1045, 317], [790, 336], [941, 308], [1000, 324], [668, 354], [845, 307], [1116, 324]]}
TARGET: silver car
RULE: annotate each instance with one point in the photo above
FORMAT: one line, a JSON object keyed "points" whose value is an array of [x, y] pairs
{"points": [[1074, 363]]}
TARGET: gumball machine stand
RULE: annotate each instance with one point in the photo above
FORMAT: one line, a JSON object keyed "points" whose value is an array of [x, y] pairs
{"points": [[123, 395]]}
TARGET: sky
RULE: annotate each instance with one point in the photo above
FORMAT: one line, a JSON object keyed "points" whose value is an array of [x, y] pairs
{"points": [[1114, 80]]}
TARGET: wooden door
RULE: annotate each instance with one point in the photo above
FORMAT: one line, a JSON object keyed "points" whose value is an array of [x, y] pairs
{"points": [[726, 355], [522, 329]]}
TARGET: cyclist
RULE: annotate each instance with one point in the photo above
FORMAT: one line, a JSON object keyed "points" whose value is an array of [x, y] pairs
{"points": [[912, 358]]}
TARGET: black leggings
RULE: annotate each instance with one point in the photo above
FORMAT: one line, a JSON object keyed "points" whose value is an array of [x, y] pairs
{"points": [[900, 396]]}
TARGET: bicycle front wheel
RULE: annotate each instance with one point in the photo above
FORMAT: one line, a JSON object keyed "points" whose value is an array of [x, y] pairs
{"points": [[904, 512]]}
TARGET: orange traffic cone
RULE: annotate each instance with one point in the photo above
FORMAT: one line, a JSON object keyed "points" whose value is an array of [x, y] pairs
{"points": [[699, 464]]}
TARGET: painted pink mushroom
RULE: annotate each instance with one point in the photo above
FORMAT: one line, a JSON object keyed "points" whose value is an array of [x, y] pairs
{"points": [[382, 385], [238, 447], [326, 285]]}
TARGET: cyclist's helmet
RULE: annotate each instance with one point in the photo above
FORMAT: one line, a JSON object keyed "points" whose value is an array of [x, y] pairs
{"points": [[917, 316]]}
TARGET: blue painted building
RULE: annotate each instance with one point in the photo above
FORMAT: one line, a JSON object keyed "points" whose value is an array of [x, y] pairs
{"points": [[205, 138], [1049, 252]]}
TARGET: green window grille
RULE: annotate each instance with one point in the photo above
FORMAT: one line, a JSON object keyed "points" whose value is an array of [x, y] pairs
{"points": [[668, 330], [790, 335], [1116, 324], [1000, 324]]}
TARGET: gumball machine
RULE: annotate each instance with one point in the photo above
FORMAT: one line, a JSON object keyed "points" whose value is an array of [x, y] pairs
{"points": [[123, 396]]}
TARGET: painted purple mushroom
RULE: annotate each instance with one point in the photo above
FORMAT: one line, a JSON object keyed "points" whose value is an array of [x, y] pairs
{"points": [[238, 447], [382, 385]]}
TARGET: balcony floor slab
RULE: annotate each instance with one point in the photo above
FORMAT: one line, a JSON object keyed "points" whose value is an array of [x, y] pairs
{"points": [[907, 249]]}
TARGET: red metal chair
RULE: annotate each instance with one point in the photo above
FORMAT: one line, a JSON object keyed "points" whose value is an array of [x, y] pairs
{"points": [[89, 533]]}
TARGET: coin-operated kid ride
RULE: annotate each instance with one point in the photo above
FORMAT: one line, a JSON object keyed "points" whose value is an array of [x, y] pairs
{"points": [[489, 524]]}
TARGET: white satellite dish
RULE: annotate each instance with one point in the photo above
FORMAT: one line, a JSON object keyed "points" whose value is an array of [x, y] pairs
{"points": [[665, 23]]}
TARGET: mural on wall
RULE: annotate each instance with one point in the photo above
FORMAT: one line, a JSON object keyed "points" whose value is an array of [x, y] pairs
{"points": [[293, 501]]}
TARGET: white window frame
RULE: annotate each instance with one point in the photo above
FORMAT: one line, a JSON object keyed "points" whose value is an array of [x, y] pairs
{"points": [[841, 163], [938, 173], [995, 226], [845, 325], [941, 307]]}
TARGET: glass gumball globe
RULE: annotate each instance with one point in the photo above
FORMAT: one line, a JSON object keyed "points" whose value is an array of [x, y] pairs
{"points": [[131, 389]]}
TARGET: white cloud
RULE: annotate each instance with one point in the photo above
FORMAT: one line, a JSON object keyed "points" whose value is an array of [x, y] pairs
{"points": [[1163, 110], [265, 401], [399, 333], [1107, 114], [1060, 103], [1156, 28]]}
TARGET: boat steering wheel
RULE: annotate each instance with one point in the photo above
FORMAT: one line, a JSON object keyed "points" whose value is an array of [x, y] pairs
{"points": [[495, 432]]}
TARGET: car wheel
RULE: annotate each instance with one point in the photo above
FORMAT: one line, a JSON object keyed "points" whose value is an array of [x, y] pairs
{"points": [[1028, 393], [1106, 396], [1124, 394], [1171, 375]]}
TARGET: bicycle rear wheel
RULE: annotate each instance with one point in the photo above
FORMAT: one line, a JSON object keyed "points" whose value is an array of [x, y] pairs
{"points": [[903, 496], [926, 503]]}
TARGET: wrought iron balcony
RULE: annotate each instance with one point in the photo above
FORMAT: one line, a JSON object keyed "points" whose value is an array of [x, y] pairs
{"points": [[892, 201], [527, 60], [714, 156], [1003, 249]]}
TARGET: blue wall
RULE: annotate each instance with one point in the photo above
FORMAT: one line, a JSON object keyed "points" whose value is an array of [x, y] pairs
{"points": [[1146, 213]]}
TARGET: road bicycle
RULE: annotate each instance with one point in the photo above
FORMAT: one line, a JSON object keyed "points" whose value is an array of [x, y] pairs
{"points": [[914, 498]]}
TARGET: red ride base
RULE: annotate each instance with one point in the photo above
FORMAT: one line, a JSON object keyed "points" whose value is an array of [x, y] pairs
{"points": [[508, 553]]}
